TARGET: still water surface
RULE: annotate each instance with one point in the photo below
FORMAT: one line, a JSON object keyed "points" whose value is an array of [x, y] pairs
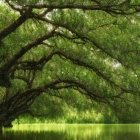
{"points": [[72, 132]]}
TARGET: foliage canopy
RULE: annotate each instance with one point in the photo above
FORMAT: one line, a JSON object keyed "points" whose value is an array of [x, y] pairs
{"points": [[52, 47]]}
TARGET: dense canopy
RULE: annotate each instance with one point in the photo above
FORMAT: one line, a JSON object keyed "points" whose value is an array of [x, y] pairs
{"points": [[54, 47]]}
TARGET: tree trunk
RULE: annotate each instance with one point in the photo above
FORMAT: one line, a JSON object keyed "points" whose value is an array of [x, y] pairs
{"points": [[6, 120], [8, 115], [8, 124], [12, 108]]}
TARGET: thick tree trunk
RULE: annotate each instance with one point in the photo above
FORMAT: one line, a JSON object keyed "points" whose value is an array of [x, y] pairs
{"points": [[9, 114], [8, 124], [13, 107], [6, 120]]}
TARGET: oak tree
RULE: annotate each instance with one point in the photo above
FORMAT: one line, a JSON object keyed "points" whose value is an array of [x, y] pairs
{"points": [[87, 46]]}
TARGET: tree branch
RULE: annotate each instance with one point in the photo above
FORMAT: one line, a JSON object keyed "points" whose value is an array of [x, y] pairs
{"points": [[12, 27], [82, 37], [115, 9], [13, 6], [18, 55]]}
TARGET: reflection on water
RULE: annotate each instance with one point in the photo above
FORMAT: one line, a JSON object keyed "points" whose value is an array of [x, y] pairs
{"points": [[72, 132]]}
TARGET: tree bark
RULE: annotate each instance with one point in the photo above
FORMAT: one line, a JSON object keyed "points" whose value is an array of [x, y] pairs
{"points": [[6, 120], [8, 124]]}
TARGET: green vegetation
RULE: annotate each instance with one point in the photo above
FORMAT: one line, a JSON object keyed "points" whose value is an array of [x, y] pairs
{"points": [[70, 61], [53, 110]]}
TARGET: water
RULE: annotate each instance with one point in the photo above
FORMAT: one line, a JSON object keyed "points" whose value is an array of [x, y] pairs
{"points": [[72, 132]]}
